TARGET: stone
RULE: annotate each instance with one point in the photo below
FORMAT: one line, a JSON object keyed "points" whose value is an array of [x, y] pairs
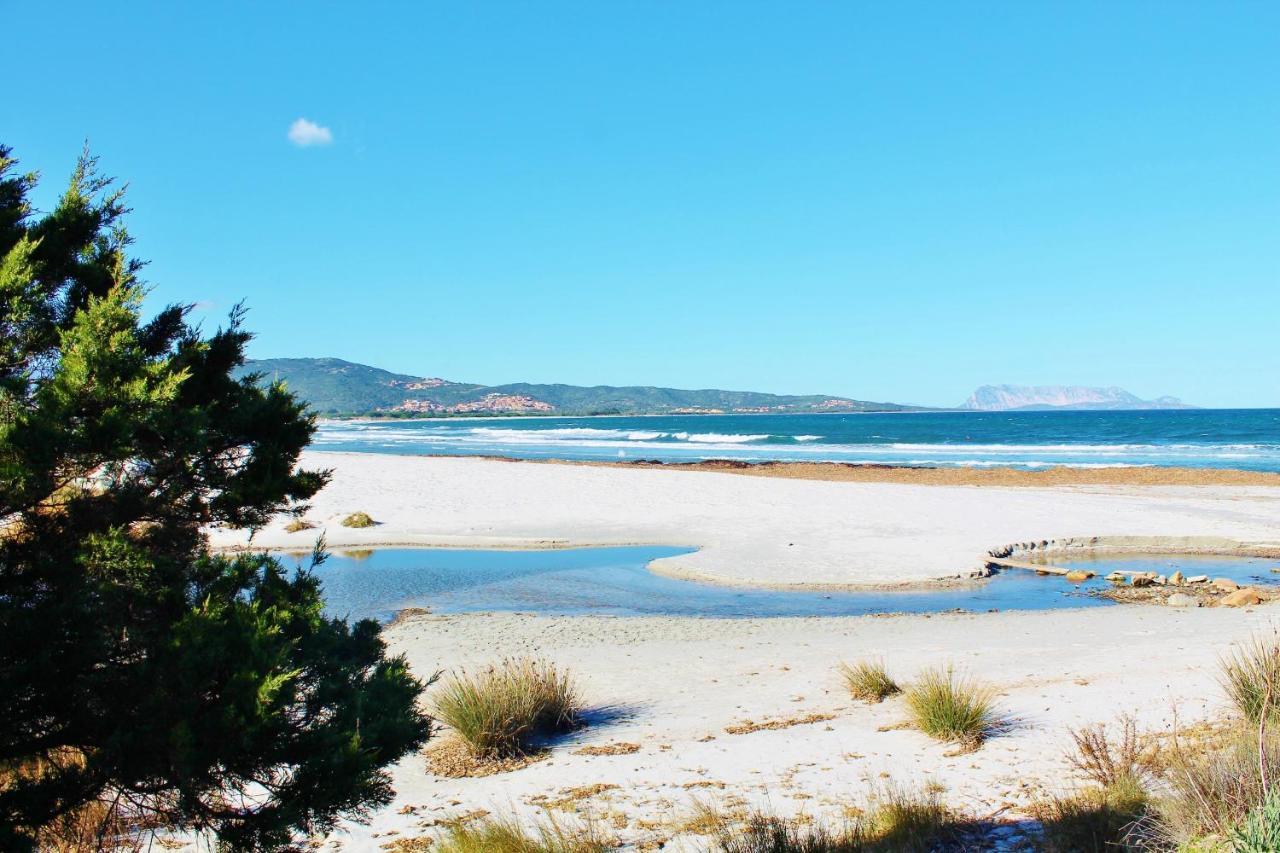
{"points": [[1142, 580], [1177, 579], [1181, 599], [1076, 576], [1242, 598], [1116, 577], [1226, 584], [1162, 580], [1198, 579]]}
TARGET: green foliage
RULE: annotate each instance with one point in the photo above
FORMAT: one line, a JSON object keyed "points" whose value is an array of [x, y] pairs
{"points": [[206, 692], [948, 707], [498, 710], [868, 681], [1260, 832]]}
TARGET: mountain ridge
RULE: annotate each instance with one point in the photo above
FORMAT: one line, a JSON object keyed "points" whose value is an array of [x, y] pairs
{"points": [[333, 386]]}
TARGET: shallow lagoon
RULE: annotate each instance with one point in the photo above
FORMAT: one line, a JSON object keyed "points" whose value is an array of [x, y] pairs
{"points": [[615, 581]]}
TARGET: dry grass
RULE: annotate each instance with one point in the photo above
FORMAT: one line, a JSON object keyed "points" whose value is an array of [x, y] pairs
{"points": [[103, 824], [499, 711], [1251, 678], [868, 681], [451, 758], [358, 519], [622, 748], [1211, 793], [951, 708], [569, 798], [749, 726], [897, 820], [506, 835], [1096, 819], [298, 525], [1111, 762]]}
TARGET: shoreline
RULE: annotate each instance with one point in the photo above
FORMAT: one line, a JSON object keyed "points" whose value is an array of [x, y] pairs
{"points": [[877, 472], [778, 532]]}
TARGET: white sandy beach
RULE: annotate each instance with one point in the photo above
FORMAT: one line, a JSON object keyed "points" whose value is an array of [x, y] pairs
{"points": [[672, 685], [772, 532]]}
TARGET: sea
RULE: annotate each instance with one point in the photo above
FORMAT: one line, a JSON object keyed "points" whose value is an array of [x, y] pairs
{"points": [[1245, 439]]}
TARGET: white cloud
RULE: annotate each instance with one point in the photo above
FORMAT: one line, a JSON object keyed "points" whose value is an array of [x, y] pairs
{"points": [[304, 133]]}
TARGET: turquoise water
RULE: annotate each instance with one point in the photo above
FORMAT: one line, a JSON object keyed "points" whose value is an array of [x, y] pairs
{"points": [[1246, 439], [614, 581]]}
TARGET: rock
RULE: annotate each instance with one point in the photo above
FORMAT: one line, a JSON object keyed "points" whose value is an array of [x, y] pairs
{"points": [[1116, 577], [1142, 580], [1076, 576], [1198, 579], [1181, 599], [1162, 580], [1226, 584], [1242, 598], [1177, 579]]}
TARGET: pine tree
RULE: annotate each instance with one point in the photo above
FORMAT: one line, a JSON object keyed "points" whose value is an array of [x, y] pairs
{"points": [[194, 690]]}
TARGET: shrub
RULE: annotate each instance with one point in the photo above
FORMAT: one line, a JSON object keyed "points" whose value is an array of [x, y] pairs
{"points": [[1097, 819], [948, 707], [498, 711], [506, 835], [1251, 678], [298, 525], [1212, 792], [1260, 832], [358, 519], [868, 681], [1111, 762]]}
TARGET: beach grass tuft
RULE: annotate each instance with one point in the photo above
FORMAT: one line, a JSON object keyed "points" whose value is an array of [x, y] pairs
{"points": [[506, 835], [298, 525], [1251, 678], [358, 519], [497, 711], [868, 681], [949, 707], [1095, 819]]}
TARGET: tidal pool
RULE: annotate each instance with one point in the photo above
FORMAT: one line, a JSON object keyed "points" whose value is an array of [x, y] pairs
{"points": [[376, 583]]}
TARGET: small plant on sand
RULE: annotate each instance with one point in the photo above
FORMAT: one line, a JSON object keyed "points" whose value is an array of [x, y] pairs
{"points": [[949, 707], [1251, 678], [358, 519], [298, 525], [1096, 819], [868, 681], [498, 711], [507, 835], [1112, 761]]}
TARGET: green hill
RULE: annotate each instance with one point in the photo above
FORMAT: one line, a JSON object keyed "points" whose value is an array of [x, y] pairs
{"points": [[335, 387]]}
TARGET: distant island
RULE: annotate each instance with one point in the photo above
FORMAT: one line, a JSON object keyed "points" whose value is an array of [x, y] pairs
{"points": [[1004, 398], [335, 387]]}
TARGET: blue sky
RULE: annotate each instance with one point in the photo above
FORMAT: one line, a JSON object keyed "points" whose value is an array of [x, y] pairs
{"points": [[891, 201]]}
